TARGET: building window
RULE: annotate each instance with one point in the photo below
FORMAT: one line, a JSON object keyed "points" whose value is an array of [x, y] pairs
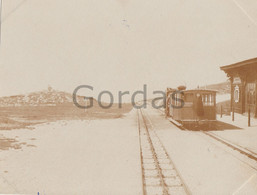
{"points": [[251, 93], [236, 94]]}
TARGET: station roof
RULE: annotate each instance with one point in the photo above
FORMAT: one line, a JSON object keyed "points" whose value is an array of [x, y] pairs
{"points": [[244, 63]]}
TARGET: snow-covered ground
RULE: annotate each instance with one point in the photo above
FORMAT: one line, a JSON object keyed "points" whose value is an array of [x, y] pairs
{"points": [[102, 157], [74, 157]]}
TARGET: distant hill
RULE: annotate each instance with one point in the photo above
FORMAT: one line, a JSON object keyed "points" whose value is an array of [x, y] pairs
{"points": [[222, 88], [48, 97]]}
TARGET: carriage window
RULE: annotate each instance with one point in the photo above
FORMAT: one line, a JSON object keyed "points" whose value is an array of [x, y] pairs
{"points": [[177, 96], [177, 99], [208, 99]]}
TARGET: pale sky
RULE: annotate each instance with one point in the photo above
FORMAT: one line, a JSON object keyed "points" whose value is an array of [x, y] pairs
{"points": [[122, 44]]}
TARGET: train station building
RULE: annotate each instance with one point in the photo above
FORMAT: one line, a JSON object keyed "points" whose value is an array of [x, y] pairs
{"points": [[243, 78]]}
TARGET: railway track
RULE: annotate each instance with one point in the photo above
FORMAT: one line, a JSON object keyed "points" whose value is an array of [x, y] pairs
{"points": [[159, 174], [244, 151]]}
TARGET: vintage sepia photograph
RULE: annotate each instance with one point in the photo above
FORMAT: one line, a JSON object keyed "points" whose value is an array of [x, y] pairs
{"points": [[128, 97]]}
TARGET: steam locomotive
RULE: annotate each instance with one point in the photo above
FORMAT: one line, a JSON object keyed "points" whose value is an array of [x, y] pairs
{"points": [[191, 106]]}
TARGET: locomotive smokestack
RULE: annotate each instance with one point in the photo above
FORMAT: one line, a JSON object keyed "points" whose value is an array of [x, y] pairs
{"points": [[182, 87]]}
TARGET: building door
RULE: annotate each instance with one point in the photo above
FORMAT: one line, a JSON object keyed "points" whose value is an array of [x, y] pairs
{"points": [[250, 95]]}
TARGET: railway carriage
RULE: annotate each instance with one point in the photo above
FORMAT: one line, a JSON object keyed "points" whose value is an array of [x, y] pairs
{"points": [[190, 106]]}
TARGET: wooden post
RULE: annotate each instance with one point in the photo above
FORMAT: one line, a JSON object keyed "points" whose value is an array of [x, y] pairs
{"points": [[249, 117], [220, 111], [233, 114]]}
